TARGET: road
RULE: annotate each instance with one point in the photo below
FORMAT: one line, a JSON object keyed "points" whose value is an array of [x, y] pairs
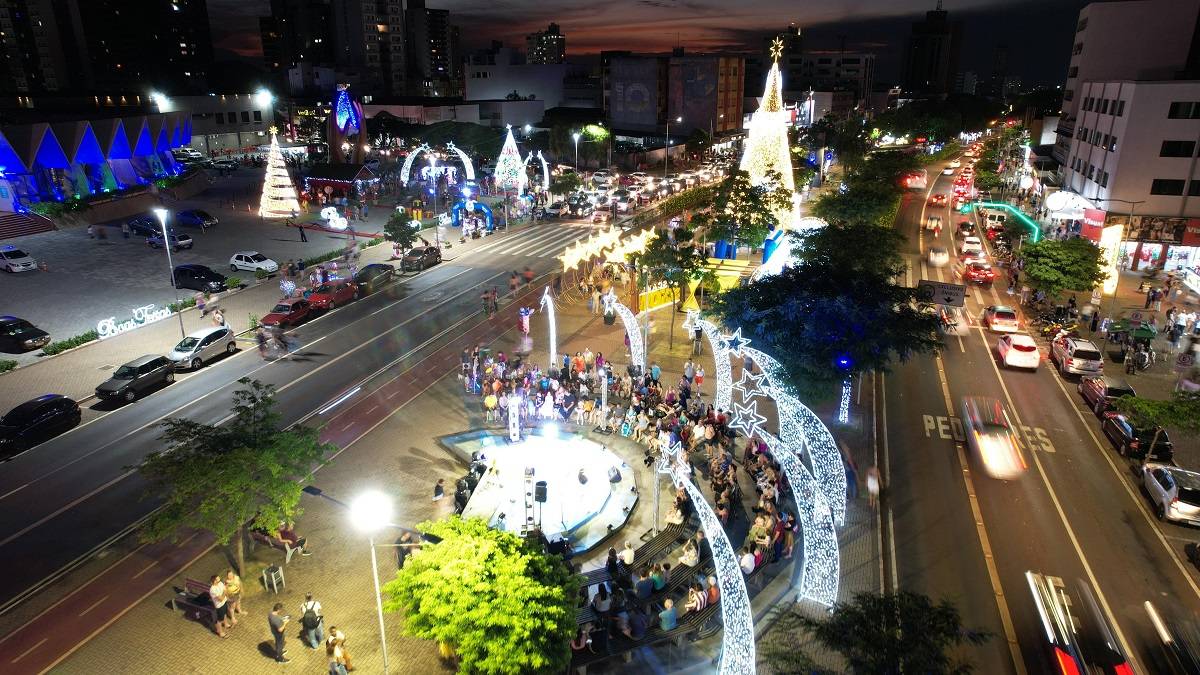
{"points": [[1076, 513], [65, 498]]}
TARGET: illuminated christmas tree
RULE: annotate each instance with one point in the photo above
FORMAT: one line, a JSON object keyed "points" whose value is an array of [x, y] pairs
{"points": [[510, 168], [279, 194], [767, 139]]}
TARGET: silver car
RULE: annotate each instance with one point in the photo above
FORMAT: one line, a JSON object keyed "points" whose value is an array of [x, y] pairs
{"points": [[1175, 492], [202, 346]]}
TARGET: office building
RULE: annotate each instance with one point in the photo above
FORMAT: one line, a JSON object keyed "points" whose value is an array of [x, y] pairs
{"points": [[431, 49], [369, 37], [931, 59], [501, 73], [704, 90], [546, 47], [830, 71], [31, 59]]}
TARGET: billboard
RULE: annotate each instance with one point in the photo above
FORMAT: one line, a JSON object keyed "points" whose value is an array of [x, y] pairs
{"points": [[692, 92], [633, 103], [1158, 229], [1110, 247]]}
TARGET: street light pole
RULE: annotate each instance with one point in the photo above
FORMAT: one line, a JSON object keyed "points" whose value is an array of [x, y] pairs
{"points": [[371, 512], [378, 603], [576, 137], [162, 221]]}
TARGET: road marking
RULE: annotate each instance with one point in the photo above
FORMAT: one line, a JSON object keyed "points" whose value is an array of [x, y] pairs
{"points": [[27, 651], [13, 492], [1062, 516], [948, 428], [94, 605], [61, 510], [145, 569], [1010, 633], [371, 409], [887, 476]]}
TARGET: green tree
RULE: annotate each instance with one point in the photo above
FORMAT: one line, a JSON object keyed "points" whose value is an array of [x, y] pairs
{"points": [[220, 479], [672, 260], [837, 311], [888, 634], [698, 142], [847, 138], [743, 213], [564, 184], [1053, 265], [400, 230], [1181, 411], [866, 203], [502, 605]]}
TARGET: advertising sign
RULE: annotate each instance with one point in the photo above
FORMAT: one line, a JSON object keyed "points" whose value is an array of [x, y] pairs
{"points": [[941, 293], [693, 89], [1110, 251], [1093, 224], [634, 101], [1158, 229], [109, 327]]}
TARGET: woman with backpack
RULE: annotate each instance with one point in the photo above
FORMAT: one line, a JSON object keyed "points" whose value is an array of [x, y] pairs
{"points": [[312, 622]]}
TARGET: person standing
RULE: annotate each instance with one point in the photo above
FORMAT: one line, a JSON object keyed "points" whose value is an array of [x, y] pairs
{"points": [[233, 591], [513, 281], [220, 602], [873, 486], [124, 230], [439, 490], [851, 472], [278, 622], [303, 236], [312, 622]]}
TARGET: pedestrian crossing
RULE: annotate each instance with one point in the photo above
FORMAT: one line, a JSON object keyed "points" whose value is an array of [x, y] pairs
{"points": [[542, 241]]}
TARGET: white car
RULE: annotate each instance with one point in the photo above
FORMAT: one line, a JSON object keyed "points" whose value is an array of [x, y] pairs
{"points": [[204, 345], [1018, 350], [15, 260], [638, 177], [1001, 319], [1175, 492], [601, 178], [992, 437], [970, 245], [938, 256], [252, 261], [954, 164], [947, 171]]}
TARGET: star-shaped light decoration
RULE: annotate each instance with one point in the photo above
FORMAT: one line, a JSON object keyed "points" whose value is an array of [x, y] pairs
{"points": [[670, 461], [746, 418], [750, 385], [689, 323], [734, 342], [274, 129], [776, 48]]}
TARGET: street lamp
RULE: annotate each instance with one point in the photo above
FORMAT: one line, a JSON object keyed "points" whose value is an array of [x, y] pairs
{"points": [[667, 145], [371, 512], [528, 129], [576, 137], [162, 221]]}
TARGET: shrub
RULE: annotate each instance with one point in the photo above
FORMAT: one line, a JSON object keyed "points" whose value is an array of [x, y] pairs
{"points": [[233, 282], [253, 321], [70, 343], [182, 305], [259, 274], [6, 365]]}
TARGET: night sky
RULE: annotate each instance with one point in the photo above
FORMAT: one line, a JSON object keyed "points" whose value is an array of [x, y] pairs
{"points": [[1037, 34]]}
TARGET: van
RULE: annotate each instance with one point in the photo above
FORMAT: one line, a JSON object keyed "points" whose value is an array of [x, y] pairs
{"points": [[993, 218]]}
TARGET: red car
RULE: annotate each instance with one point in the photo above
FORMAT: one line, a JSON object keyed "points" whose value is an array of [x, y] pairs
{"points": [[979, 273], [938, 200], [286, 313], [333, 293], [992, 231]]}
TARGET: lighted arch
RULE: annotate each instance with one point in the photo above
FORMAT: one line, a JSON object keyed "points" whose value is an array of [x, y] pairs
{"points": [[548, 306], [467, 165], [545, 169], [637, 349], [408, 162]]}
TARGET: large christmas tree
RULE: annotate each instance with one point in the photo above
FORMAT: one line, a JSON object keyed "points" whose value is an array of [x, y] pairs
{"points": [[279, 194], [510, 168], [767, 139]]}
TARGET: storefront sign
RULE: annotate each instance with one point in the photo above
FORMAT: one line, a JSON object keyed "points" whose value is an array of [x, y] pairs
{"points": [[1158, 229], [1110, 249], [141, 316], [1093, 224]]}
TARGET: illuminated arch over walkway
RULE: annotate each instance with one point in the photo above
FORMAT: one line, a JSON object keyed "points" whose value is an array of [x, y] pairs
{"points": [[637, 349], [406, 169]]}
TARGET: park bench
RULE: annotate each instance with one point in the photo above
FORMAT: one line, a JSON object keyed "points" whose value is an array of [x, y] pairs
{"points": [[260, 537], [195, 602]]}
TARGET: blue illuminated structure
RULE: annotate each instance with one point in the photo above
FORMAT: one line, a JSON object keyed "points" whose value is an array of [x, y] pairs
{"points": [[345, 114], [457, 211]]}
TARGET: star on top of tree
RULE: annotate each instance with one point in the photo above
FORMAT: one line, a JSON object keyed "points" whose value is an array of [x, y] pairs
{"points": [[274, 129], [776, 48]]}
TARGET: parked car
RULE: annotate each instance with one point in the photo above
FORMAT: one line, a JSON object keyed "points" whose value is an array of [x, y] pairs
{"points": [[196, 218], [601, 178], [252, 261], [145, 226], [198, 278], [18, 335], [1130, 441], [1076, 356], [137, 377], [372, 277], [35, 422], [14, 259], [288, 312], [1018, 350], [202, 346], [420, 257], [1174, 492], [992, 437], [178, 241], [333, 293], [1101, 391], [226, 164], [1001, 319]]}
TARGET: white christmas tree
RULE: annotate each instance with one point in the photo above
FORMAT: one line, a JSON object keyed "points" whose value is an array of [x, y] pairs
{"points": [[510, 168], [767, 139], [279, 194]]}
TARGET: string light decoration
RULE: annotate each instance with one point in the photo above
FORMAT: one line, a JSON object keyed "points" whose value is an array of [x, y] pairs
{"points": [[406, 169], [737, 641], [287, 287], [468, 167], [345, 113], [723, 398], [279, 193], [510, 169], [767, 146], [637, 349], [548, 307], [844, 406]]}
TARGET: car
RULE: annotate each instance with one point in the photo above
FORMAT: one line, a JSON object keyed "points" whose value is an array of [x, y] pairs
{"points": [[333, 293], [954, 164], [36, 421], [252, 261], [1001, 319], [136, 377], [601, 178], [15, 260], [556, 209], [976, 272], [196, 218], [933, 223], [145, 226], [1018, 350], [1100, 391], [938, 256], [371, 278], [18, 335], [178, 241], [992, 438], [202, 346], [1130, 441], [198, 278], [1079, 637], [287, 312], [1076, 356], [970, 244], [1174, 492], [947, 171], [623, 200], [420, 257], [226, 164], [965, 227], [639, 177]]}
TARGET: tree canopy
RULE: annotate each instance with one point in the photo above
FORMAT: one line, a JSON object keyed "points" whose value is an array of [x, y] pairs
{"points": [[743, 213], [938, 120], [565, 183], [875, 633], [219, 478], [672, 258], [1181, 411], [502, 605], [1054, 265], [872, 190], [838, 311], [399, 230]]}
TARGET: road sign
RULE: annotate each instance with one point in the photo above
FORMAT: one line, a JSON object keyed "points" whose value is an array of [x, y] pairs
{"points": [[940, 293], [1184, 362]]}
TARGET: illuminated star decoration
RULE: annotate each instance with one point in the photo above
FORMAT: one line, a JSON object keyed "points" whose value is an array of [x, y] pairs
{"points": [[750, 385], [747, 418], [776, 48], [735, 342], [669, 460]]}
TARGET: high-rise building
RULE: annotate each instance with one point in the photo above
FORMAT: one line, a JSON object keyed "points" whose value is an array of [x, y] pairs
{"points": [[931, 59], [704, 90], [369, 37], [430, 42], [31, 59], [547, 46], [297, 31]]}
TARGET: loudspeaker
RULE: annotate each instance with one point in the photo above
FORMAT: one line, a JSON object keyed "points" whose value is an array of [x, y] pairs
{"points": [[539, 491], [614, 475], [582, 477]]}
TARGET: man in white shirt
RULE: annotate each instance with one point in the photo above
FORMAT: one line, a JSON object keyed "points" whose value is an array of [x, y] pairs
{"points": [[216, 593], [747, 562], [628, 554]]}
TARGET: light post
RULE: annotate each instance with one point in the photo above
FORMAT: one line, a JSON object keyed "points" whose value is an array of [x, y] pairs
{"points": [[667, 145], [371, 512], [575, 136], [711, 148], [162, 221]]}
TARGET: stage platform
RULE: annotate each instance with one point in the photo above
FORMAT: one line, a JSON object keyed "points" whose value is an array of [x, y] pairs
{"points": [[582, 503]]}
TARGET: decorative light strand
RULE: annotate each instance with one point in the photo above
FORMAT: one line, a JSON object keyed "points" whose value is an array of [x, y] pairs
{"points": [[408, 162], [467, 165], [844, 406], [279, 194], [548, 306], [510, 170], [637, 350], [723, 398]]}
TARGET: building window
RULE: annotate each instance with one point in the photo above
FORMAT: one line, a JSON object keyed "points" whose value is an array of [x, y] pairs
{"points": [[1177, 149], [1194, 188], [1104, 106], [1112, 144], [1167, 186], [1078, 49], [1091, 171], [257, 115], [1184, 110], [1073, 71], [1068, 95], [1120, 108], [220, 118], [1103, 179]]}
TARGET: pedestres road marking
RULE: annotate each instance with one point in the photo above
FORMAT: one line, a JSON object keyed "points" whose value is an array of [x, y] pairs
{"points": [[1062, 516], [1010, 633]]}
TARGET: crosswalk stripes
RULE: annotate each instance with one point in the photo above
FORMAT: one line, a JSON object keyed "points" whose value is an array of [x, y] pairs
{"points": [[542, 242]]}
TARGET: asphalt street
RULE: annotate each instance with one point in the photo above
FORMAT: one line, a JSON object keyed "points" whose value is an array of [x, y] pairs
{"points": [[1077, 513], [69, 496]]}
